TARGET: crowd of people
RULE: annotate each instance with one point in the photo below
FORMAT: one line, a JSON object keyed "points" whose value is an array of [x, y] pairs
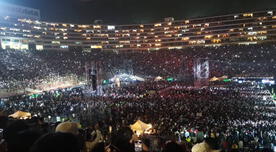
{"points": [[226, 117], [22, 69], [238, 121]]}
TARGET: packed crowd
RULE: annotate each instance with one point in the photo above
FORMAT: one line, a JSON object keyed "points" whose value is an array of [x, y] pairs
{"points": [[238, 121], [22, 69], [233, 117]]}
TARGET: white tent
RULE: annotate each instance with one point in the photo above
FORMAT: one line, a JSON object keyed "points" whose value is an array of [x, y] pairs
{"points": [[214, 79], [126, 77], [218, 78], [158, 78], [140, 127], [21, 115]]}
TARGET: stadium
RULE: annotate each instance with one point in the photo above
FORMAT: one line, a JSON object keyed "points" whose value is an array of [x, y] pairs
{"points": [[195, 84], [240, 28]]}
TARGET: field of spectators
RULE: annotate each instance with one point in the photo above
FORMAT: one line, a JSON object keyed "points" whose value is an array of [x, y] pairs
{"points": [[236, 120], [229, 117], [22, 69]]}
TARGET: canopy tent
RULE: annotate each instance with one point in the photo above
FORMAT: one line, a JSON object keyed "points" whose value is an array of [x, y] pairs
{"points": [[126, 78], [214, 79], [21, 115], [158, 78], [140, 127], [218, 78]]}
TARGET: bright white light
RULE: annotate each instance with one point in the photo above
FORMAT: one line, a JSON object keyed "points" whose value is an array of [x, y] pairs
{"points": [[39, 47], [126, 77], [265, 81], [64, 46], [270, 12], [111, 27]]}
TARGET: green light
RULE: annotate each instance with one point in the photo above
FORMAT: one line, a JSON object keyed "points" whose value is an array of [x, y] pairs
{"points": [[34, 96], [227, 80], [170, 79], [57, 94], [105, 81]]}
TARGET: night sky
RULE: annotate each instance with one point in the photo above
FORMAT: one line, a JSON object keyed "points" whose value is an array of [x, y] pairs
{"points": [[138, 11]]}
